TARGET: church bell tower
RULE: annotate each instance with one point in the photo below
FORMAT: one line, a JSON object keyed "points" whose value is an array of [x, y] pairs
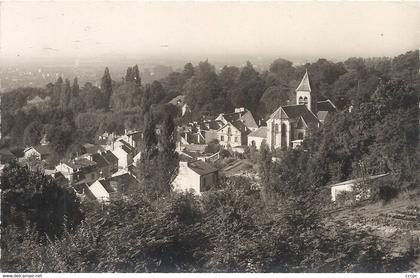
{"points": [[303, 92]]}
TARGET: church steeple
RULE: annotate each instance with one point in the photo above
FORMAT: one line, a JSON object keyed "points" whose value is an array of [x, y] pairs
{"points": [[303, 91]]}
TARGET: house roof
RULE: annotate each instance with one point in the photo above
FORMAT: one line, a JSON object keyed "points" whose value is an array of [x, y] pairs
{"points": [[241, 126], [353, 181], [325, 105], [110, 157], [106, 184], [91, 148], [201, 167], [178, 100], [260, 132], [304, 84], [79, 163], [245, 116], [322, 115], [100, 160], [295, 112], [42, 149]]}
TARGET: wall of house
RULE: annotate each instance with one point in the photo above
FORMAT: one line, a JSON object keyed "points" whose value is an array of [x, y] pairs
{"points": [[233, 139], [99, 192], [256, 140], [66, 171], [186, 179], [32, 152], [208, 181], [124, 159], [335, 190], [279, 134]]}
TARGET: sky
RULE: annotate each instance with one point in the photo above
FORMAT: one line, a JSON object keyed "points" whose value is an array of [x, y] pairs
{"points": [[286, 29]]}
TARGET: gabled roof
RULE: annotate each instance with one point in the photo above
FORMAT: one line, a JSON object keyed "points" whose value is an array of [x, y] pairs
{"points": [[295, 112], [241, 126], [304, 84], [110, 157], [100, 160], [201, 167], [106, 184], [245, 116], [260, 132], [42, 149], [358, 180], [325, 105], [91, 148], [322, 115], [79, 163], [178, 100]]}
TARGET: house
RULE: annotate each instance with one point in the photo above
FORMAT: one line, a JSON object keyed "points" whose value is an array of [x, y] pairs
{"points": [[79, 170], [40, 152], [256, 137], [233, 134], [103, 166], [209, 129], [288, 125], [348, 186], [91, 148], [240, 114], [197, 175], [188, 138], [124, 152], [103, 189], [179, 101], [112, 159]]}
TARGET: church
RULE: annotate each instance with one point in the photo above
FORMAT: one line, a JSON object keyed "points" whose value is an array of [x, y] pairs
{"points": [[288, 125]]}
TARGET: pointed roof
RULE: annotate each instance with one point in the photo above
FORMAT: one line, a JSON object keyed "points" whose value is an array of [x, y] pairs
{"points": [[295, 112], [304, 84]]}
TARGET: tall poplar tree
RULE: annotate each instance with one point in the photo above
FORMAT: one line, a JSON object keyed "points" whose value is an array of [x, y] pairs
{"points": [[106, 87]]}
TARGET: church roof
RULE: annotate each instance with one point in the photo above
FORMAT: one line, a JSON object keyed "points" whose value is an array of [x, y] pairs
{"points": [[304, 84], [260, 132], [295, 112]]}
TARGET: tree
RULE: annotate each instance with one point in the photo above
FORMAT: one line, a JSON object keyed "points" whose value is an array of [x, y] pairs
{"points": [[106, 88], [32, 133], [136, 75], [35, 198], [168, 157], [129, 75]]}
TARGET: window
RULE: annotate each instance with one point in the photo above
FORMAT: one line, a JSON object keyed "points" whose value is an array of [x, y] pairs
{"points": [[229, 130], [236, 139], [300, 100], [222, 138], [276, 128]]}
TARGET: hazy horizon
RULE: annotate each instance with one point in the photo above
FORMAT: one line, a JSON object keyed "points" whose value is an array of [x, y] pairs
{"points": [[298, 31]]}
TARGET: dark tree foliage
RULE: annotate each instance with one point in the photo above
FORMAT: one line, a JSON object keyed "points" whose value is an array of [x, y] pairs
{"points": [[34, 198], [106, 88]]}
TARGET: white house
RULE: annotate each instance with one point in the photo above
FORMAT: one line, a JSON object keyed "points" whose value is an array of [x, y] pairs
{"points": [[348, 186], [197, 175], [124, 152], [256, 137], [79, 169], [102, 190], [233, 134], [240, 114], [41, 152]]}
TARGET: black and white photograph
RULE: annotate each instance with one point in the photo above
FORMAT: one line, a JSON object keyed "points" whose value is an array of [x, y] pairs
{"points": [[209, 137]]}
